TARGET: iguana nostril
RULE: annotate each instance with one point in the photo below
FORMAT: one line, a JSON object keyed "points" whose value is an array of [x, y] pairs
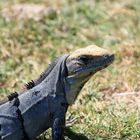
{"points": [[111, 57]]}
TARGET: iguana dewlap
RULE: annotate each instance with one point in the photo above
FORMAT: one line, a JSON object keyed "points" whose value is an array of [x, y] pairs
{"points": [[25, 116]]}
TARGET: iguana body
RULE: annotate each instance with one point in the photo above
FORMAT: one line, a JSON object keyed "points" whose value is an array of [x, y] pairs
{"points": [[44, 104]]}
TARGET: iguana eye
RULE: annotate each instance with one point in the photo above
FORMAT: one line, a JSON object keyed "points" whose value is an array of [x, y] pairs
{"points": [[83, 58]]}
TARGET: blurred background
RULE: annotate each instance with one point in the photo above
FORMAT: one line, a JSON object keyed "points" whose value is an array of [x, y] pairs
{"points": [[34, 32]]}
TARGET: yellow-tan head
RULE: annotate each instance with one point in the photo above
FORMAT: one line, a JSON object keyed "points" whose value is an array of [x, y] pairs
{"points": [[88, 60]]}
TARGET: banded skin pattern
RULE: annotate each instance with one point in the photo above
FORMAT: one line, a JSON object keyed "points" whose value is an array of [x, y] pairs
{"points": [[25, 115]]}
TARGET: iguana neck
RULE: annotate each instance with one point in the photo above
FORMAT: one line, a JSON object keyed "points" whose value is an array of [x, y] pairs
{"points": [[74, 87]]}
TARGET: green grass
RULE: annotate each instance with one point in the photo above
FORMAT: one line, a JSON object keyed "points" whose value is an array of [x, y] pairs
{"points": [[28, 45]]}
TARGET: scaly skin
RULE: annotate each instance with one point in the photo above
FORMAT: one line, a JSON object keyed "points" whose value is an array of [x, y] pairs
{"points": [[45, 103]]}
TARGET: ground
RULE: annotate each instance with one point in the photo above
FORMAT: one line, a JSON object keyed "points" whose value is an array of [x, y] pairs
{"points": [[108, 106]]}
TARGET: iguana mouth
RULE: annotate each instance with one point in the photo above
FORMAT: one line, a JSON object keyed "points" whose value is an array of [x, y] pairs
{"points": [[109, 61]]}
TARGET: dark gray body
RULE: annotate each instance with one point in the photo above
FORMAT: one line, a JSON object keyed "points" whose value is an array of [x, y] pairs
{"points": [[39, 106]]}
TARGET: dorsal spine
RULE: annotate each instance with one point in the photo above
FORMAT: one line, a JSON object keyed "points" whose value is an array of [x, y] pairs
{"points": [[30, 85]]}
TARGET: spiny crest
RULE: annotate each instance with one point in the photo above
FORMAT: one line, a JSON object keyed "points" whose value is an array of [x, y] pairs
{"points": [[44, 74], [30, 85], [12, 96]]}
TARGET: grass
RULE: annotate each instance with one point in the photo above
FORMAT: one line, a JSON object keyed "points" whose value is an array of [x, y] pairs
{"points": [[27, 45]]}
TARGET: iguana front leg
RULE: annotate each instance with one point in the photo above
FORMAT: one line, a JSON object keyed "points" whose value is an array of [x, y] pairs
{"points": [[58, 129], [58, 125]]}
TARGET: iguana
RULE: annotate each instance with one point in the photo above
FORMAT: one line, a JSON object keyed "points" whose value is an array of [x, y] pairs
{"points": [[45, 102]]}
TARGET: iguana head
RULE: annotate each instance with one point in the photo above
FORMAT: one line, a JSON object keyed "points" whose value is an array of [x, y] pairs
{"points": [[82, 64]]}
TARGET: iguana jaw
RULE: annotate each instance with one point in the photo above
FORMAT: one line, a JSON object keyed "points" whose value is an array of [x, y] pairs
{"points": [[81, 65]]}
